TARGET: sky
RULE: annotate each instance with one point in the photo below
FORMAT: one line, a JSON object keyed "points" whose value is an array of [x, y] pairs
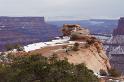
{"points": [[63, 9]]}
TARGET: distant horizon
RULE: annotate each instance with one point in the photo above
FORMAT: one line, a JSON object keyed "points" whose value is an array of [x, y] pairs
{"points": [[62, 18], [63, 9]]}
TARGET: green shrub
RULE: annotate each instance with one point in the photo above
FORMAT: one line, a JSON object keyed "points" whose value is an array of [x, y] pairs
{"points": [[64, 46], [73, 37], [36, 68], [9, 47], [75, 47], [103, 72], [14, 46], [87, 45], [90, 41], [114, 72]]}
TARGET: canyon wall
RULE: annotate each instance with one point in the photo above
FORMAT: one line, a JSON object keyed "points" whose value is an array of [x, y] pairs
{"points": [[120, 29], [25, 30]]}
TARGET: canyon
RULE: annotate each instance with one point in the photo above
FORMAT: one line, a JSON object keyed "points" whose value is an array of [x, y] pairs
{"points": [[25, 30], [115, 48]]}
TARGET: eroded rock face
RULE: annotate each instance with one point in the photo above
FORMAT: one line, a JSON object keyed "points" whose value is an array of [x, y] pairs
{"points": [[116, 49], [120, 28], [25, 30], [90, 50], [93, 59], [93, 56], [76, 32], [68, 29], [18, 22]]}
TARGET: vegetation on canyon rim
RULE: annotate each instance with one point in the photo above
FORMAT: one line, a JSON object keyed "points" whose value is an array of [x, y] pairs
{"points": [[36, 68]]}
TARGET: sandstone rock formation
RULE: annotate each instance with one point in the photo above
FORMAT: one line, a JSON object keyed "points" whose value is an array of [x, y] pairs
{"points": [[68, 29], [90, 51], [93, 55]]}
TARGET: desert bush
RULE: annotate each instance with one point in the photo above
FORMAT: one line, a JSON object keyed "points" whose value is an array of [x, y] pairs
{"points": [[90, 41], [73, 37], [9, 47], [14, 46], [75, 47], [87, 45], [2, 53], [103, 72], [64, 46], [98, 47], [114, 72], [36, 68]]}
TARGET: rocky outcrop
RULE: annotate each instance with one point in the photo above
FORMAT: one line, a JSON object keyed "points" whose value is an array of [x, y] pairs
{"points": [[76, 32], [69, 29], [92, 55], [120, 29], [90, 51]]}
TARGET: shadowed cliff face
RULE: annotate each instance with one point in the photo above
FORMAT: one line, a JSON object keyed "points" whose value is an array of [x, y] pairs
{"points": [[25, 30], [21, 22], [120, 29], [116, 49]]}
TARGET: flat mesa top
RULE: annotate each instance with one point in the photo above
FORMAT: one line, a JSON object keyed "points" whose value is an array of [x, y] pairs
{"points": [[122, 18]]}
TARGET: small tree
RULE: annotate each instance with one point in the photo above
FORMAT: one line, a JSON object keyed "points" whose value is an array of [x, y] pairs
{"points": [[87, 45], [90, 41], [53, 58], [9, 47], [3, 53], [74, 37], [14, 46], [36, 68], [114, 72], [103, 72], [75, 47], [18, 47], [64, 46]]}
